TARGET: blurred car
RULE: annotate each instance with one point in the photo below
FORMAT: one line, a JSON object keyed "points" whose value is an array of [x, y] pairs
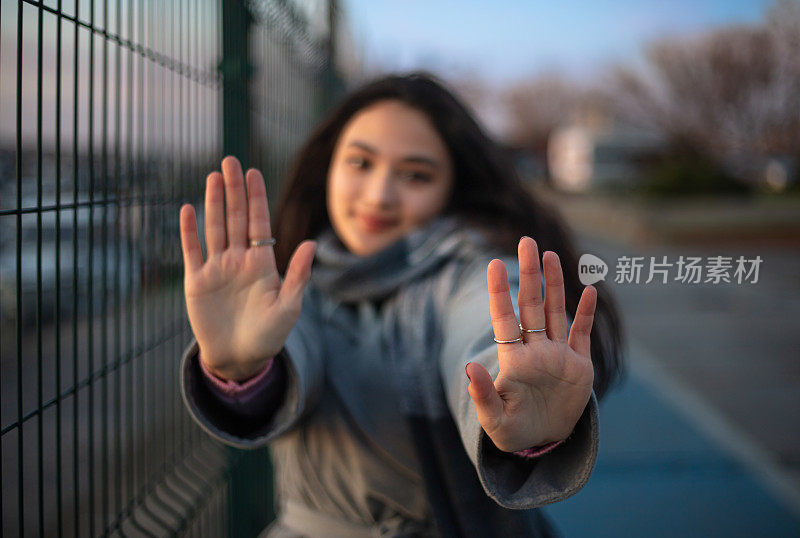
{"points": [[115, 260]]}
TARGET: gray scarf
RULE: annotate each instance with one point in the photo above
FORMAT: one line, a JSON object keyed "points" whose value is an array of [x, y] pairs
{"points": [[410, 281], [348, 278]]}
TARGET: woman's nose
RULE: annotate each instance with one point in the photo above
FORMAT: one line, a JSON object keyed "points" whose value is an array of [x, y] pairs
{"points": [[380, 189]]}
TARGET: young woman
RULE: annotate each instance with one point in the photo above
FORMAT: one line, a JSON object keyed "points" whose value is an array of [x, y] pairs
{"points": [[425, 254]]}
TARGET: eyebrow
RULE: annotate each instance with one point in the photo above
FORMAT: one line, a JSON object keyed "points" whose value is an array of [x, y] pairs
{"points": [[422, 159]]}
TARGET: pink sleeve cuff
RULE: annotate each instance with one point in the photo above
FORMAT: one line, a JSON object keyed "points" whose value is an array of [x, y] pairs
{"points": [[234, 390], [536, 451]]}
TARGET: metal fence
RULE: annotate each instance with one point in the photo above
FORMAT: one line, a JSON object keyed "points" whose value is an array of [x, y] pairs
{"points": [[111, 115]]}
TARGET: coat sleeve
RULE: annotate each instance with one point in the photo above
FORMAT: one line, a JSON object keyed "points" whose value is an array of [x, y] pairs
{"points": [[302, 359], [511, 481]]}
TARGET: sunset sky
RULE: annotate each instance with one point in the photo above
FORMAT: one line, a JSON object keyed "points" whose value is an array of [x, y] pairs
{"points": [[508, 39]]}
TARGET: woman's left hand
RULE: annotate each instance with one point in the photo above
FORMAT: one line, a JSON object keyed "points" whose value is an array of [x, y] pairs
{"points": [[545, 380]]}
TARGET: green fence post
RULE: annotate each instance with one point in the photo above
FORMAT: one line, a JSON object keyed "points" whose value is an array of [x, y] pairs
{"points": [[250, 506], [236, 71], [330, 81]]}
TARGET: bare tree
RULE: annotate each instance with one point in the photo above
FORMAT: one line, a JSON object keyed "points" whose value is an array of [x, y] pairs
{"points": [[736, 89], [536, 106]]}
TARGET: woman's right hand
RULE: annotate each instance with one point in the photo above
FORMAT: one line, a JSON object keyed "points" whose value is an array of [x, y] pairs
{"points": [[240, 311]]}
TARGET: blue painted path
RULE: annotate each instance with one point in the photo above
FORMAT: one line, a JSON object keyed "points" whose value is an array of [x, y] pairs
{"points": [[657, 475]]}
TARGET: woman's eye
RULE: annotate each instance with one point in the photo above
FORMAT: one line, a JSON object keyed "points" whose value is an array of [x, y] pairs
{"points": [[358, 162], [417, 177]]}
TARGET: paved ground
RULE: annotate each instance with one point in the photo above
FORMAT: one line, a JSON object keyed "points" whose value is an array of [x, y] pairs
{"points": [[659, 475], [703, 438]]}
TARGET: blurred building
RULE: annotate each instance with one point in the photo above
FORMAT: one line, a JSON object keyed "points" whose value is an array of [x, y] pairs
{"points": [[586, 156]]}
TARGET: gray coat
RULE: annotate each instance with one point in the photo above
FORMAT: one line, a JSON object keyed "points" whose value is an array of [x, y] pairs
{"points": [[380, 348]]}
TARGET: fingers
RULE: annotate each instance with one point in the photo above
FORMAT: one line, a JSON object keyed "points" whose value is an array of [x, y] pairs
{"points": [[488, 403], [190, 244], [297, 274], [501, 310], [258, 226], [235, 215], [235, 202], [554, 314], [215, 214], [531, 306], [555, 310], [580, 333]]}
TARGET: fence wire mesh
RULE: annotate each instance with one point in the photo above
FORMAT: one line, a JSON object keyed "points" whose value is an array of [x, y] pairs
{"points": [[111, 115]]}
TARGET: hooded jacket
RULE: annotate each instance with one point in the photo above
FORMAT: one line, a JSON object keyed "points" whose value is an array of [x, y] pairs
{"points": [[375, 433]]}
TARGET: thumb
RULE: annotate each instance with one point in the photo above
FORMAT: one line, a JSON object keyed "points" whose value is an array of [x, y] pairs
{"points": [[297, 274], [488, 403]]}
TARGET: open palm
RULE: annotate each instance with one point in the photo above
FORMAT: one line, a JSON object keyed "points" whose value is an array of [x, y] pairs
{"points": [[545, 380], [240, 311]]}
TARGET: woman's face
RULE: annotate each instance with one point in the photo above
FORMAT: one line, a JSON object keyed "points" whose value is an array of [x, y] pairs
{"points": [[390, 173]]}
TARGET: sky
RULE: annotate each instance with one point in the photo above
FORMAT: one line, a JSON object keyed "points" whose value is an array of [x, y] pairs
{"points": [[505, 40]]}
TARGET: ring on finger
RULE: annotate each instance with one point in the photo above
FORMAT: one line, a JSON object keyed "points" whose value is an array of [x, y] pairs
{"points": [[515, 340], [531, 330], [262, 242]]}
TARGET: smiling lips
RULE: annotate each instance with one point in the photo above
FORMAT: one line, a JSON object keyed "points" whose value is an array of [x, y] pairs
{"points": [[374, 224]]}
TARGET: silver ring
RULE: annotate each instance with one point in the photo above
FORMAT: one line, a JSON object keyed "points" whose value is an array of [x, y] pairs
{"points": [[515, 340], [531, 330], [262, 242]]}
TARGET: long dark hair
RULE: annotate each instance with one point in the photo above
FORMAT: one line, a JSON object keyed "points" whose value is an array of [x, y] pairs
{"points": [[487, 191]]}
